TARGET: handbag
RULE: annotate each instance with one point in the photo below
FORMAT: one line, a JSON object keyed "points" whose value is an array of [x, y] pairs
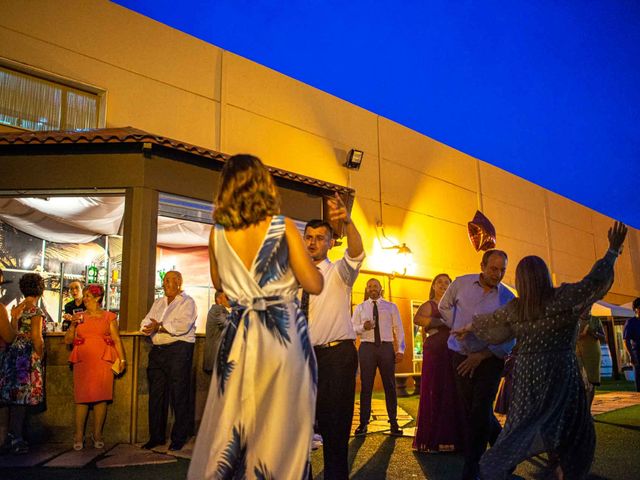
{"points": [[117, 367]]}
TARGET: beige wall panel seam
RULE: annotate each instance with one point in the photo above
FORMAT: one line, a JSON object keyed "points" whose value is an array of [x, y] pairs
{"points": [[105, 63], [479, 192], [222, 113], [379, 159]]}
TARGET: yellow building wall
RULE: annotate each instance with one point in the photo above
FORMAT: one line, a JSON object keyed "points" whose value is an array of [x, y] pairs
{"points": [[169, 83]]}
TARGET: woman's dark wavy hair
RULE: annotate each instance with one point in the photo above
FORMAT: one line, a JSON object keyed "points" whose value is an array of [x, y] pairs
{"points": [[31, 285], [535, 288], [432, 290], [247, 193]]}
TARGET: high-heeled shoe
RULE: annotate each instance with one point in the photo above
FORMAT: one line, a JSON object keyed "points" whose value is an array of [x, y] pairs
{"points": [[77, 446], [97, 443]]}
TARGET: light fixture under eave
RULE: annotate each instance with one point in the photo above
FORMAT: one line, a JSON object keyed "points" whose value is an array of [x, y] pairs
{"points": [[354, 159], [403, 260]]}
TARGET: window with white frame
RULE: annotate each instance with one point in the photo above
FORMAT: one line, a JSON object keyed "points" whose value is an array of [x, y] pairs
{"points": [[33, 103]]}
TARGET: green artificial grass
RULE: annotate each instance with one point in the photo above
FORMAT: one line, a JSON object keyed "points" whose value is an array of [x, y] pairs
{"points": [[611, 385], [379, 456]]}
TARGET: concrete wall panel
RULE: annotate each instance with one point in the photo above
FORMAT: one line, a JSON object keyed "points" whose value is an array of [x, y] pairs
{"points": [[511, 189], [569, 212], [407, 147], [516, 223], [284, 146], [265, 92], [410, 189]]}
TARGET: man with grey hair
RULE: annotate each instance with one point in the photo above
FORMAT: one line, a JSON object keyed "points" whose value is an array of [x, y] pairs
{"points": [[477, 366], [171, 325]]}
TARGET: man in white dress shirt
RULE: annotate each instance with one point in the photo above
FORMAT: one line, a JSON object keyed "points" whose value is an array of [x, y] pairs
{"points": [[333, 337], [171, 324], [377, 322]]}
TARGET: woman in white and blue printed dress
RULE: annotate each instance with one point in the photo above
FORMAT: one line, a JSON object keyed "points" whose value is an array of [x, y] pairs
{"points": [[258, 421]]}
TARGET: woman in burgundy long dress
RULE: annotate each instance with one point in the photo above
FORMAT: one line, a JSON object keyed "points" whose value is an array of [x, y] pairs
{"points": [[440, 426]]}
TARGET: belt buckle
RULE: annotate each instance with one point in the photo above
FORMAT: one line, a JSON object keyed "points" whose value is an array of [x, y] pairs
{"points": [[329, 344]]}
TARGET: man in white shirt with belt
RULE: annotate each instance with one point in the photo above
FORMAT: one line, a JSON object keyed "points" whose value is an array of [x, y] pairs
{"points": [[333, 337], [377, 322], [171, 324]]}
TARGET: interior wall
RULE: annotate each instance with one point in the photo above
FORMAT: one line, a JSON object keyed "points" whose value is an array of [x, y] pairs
{"points": [[424, 192]]}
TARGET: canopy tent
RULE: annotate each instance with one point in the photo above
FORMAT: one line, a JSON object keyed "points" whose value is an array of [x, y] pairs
{"points": [[83, 219], [64, 219]]}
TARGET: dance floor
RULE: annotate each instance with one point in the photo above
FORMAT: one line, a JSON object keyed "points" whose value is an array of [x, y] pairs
{"points": [[57, 457]]}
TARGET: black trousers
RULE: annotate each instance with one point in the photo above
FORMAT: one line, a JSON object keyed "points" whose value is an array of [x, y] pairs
{"points": [[169, 374], [337, 368], [383, 358], [478, 394]]}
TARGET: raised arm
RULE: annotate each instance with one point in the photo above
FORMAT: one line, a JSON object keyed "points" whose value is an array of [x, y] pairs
{"points": [[303, 268], [599, 280], [213, 264], [338, 212]]}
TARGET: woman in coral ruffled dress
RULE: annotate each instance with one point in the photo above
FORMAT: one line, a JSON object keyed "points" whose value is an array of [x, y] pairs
{"points": [[97, 354]]}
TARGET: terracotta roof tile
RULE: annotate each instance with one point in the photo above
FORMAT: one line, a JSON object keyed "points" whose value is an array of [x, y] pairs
{"points": [[134, 135]]}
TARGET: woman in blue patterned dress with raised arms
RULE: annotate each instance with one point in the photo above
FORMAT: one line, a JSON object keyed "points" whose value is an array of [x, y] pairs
{"points": [[549, 411], [258, 421]]}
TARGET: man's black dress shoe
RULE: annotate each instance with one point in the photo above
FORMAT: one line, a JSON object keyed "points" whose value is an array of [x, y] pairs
{"points": [[395, 430], [152, 444], [361, 430], [175, 446]]}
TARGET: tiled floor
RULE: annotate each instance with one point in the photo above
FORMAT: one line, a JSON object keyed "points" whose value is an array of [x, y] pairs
{"points": [[379, 419], [59, 455]]}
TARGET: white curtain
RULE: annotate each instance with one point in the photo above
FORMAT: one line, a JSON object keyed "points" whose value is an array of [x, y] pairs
{"points": [[64, 219], [182, 233], [83, 219]]}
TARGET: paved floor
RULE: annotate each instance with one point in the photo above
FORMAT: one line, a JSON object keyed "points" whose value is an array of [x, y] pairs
{"points": [[62, 456]]}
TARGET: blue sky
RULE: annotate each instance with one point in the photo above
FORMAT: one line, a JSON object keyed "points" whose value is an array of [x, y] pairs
{"points": [[546, 89]]}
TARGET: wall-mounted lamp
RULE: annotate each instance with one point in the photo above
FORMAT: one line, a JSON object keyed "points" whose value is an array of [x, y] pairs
{"points": [[354, 159], [403, 257]]}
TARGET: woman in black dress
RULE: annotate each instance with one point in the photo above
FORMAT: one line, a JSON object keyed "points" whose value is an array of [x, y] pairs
{"points": [[549, 411]]}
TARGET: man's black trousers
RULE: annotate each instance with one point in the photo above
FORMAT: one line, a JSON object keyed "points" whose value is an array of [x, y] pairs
{"points": [[337, 368], [169, 373]]}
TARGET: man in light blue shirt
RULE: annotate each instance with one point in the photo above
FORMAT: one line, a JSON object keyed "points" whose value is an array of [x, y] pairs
{"points": [[478, 366]]}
